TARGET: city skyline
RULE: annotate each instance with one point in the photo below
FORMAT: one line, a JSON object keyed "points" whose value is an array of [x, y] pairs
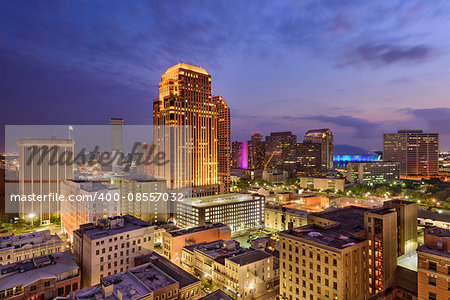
{"points": [[319, 66]]}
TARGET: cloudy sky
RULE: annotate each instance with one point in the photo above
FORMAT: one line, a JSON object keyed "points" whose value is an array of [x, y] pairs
{"points": [[360, 68]]}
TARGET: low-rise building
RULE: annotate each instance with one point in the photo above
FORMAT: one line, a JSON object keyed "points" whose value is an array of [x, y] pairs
{"points": [[89, 201], [280, 218], [243, 273], [373, 172], [110, 246], [14, 248], [43, 277], [432, 218], [322, 183], [433, 270], [175, 240], [239, 211], [157, 279]]}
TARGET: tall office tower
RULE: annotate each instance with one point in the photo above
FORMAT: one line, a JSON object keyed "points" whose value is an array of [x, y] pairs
{"points": [[433, 265], [416, 151], [373, 172], [325, 138], [44, 164], [256, 152], [309, 158], [381, 230], [406, 224], [239, 155], [185, 99], [281, 151], [323, 262], [223, 141], [116, 134]]}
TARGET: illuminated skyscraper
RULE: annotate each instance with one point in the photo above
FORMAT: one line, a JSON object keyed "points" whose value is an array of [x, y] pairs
{"points": [[325, 138], [185, 99], [416, 151], [281, 151], [223, 141], [116, 134]]}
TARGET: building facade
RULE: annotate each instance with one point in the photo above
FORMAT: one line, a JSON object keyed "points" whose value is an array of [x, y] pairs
{"points": [[325, 138], [373, 172], [322, 183], [309, 159], [223, 141], [239, 211], [280, 218], [281, 151], [416, 151], [110, 246]]}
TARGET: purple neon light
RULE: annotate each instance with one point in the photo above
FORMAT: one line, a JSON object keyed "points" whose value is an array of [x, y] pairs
{"points": [[244, 155]]}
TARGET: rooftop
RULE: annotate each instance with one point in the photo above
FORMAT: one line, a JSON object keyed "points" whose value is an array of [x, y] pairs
{"points": [[437, 231], [249, 257], [217, 200], [33, 238], [28, 271], [217, 295], [187, 67], [399, 201], [333, 236], [111, 226], [349, 217], [301, 213], [382, 211], [138, 178], [426, 214], [207, 226]]}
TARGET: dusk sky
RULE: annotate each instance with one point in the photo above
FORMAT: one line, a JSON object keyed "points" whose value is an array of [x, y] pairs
{"points": [[359, 68]]}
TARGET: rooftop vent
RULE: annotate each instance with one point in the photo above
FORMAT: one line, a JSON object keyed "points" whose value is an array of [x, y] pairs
{"points": [[314, 234]]}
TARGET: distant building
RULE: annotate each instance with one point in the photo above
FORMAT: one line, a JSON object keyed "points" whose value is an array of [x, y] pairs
{"points": [[14, 248], [256, 152], [110, 246], [416, 151], [325, 138], [322, 183], [344, 160], [309, 159], [281, 218], [281, 151], [86, 205], [175, 240], [373, 172], [116, 134], [239, 211], [243, 273], [42, 277], [223, 141], [433, 272], [156, 279], [38, 175], [239, 155]]}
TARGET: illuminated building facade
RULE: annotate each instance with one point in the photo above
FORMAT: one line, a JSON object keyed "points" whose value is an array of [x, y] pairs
{"points": [[325, 138], [256, 152], [223, 141], [344, 160], [281, 218], [281, 151], [239, 211], [433, 269], [323, 262], [309, 158], [322, 183], [42, 177], [416, 151], [373, 172], [185, 99], [240, 155]]}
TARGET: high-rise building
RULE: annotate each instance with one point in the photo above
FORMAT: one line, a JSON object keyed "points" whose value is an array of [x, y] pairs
{"points": [[325, 138], [256, 152], [416, 151], [185, 99], [240, 212], [281, 151], [433, 266], [309, 159], [239, 155], [116, 134], [41, 172], [373, 172], [110, 245], [223, 141]]}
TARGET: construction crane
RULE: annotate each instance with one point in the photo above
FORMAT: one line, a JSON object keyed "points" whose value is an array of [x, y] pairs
{"points": [[270, 158]]}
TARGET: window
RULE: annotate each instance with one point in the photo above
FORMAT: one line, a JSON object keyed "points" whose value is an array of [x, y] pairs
{"points": [[432, 281], [431, 296], [32, 288], [432, 266], [47, 284]]}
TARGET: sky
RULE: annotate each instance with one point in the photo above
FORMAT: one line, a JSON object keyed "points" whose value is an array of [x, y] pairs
{"points": [[360, 68]]}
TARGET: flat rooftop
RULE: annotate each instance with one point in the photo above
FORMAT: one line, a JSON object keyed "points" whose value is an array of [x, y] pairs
{"points": [[28, 271], [350, 217], [101, 230], [217, 200], [400, 201], [382, 211], [333, 236], [35, 238], [437, 231], [249, 257], [426, 214], [217, 295], [298, 212], [430, 250], [180, 232]]}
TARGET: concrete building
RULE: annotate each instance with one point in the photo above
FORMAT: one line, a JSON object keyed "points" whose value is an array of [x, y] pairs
{"points": [[43, 277], [239, 211], [16, 248], [433, 272], [116, 134], [431, 218], [309, 159], [175, 240], [281, 152], [373, 172], [185, 99], [135, 189], [323, 262], [324, 137], [280, 218], [156, 279], [243, 273], [110, 246], [406, 224], [256, 152], [41, 173], [322, 183], [416, 151], [223, 141], [88, 203]]}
